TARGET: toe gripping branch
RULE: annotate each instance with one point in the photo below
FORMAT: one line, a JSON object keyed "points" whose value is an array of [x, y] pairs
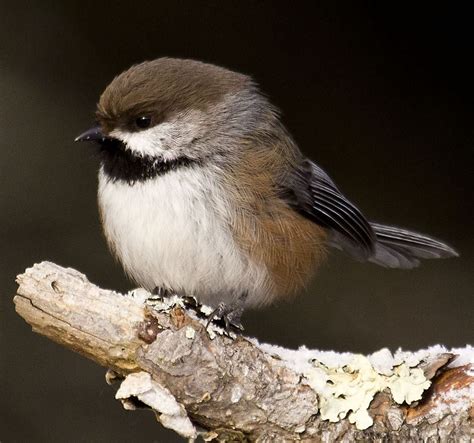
{"points": [[225, 316]]}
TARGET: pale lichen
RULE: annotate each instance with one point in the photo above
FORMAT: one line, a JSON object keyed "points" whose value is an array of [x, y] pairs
{"points": [[454, 400], [169, 412], [347, 391], [236, 394], [190, 332], [206, 310], [167, 304]]}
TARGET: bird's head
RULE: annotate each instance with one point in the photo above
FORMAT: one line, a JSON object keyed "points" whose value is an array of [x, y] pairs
{"points": [[171, 110]]}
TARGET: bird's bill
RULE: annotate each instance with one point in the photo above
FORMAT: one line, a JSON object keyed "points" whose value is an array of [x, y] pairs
{"points": [[94, 134]]}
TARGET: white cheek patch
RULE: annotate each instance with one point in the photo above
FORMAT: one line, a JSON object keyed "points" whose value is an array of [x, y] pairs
{"points": [[152, 142]]}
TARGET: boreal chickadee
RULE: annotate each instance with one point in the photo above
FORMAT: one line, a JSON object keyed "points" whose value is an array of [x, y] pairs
{"points": [[203, 191]]}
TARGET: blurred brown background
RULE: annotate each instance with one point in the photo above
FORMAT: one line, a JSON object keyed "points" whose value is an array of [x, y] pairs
{"points": [[379, 96]]}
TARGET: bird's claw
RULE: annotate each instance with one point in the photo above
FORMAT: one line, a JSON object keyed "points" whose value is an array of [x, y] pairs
{"points": [[227, 317], [162, 292]]}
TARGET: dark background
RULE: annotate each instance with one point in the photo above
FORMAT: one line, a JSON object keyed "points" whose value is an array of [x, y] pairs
{"points": [[379, 96]]}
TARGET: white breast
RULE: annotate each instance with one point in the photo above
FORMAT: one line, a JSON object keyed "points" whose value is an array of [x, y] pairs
{"points": [[173, 231]]}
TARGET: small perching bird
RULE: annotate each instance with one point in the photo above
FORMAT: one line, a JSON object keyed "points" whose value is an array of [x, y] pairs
{"points": [[203, 191]]}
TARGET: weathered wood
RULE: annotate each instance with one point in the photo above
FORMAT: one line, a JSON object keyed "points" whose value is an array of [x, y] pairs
{"points": [[225, 388]]}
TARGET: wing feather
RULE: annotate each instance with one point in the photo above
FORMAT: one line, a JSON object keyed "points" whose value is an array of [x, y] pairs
{"points": [[311, 192]]}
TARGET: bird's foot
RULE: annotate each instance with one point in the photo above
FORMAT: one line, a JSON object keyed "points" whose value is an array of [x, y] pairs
{"points": [[227, 317], [162, 292]]}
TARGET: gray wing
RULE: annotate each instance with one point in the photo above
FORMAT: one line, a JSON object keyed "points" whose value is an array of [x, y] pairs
{"points": [[311, 192]]}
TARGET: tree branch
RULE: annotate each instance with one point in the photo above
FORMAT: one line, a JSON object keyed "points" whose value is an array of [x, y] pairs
{"points": [[200, 381]]}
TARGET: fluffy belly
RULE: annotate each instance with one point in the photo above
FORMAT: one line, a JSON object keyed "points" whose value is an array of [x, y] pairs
{"points": [[172, 231]]}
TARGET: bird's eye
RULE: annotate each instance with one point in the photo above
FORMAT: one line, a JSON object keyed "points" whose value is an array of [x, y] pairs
{"points": [[143, 122]]}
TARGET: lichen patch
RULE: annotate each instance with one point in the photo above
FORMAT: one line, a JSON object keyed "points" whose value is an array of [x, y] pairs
{"points": [[348, 391]]}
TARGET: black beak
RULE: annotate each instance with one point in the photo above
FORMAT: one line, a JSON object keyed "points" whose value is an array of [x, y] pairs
{"points": [[92, 135]]}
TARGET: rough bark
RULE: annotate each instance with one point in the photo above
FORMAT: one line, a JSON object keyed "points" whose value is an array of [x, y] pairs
{"points": [[220, 387]]}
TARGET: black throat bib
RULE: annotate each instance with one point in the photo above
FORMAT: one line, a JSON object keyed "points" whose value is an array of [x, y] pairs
{"points": [[121, 164]]}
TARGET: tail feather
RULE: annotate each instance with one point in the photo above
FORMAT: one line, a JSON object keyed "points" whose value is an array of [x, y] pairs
{"points": [[400, 248]]}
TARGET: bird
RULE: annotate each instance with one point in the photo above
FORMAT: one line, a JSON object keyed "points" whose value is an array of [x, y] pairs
{"points": [[202, 191]]}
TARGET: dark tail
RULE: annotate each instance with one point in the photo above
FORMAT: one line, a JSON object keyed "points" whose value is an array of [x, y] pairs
{"points": [[399, 248]]}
